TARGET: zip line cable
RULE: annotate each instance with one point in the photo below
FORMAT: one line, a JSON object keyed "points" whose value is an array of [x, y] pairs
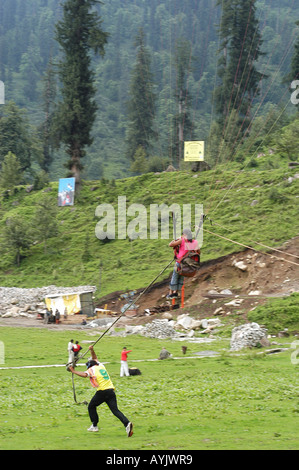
{"points": [[106, 331], [238, 176], [261, 102], [249, 247], [257, 89], [249, 74], [124, 311], [225, 130], [253, 241], [260, 145], [284, 56]]}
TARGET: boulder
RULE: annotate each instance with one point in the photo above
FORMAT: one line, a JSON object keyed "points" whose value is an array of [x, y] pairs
{"points": [[249, 335], [219, 311], [195, 324], [226, 292], [209, 323], [235, 303], [167, 316], [240, 265], [185, 321], [255, 292]]}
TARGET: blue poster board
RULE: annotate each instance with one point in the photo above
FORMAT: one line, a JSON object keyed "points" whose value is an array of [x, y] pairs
{"points": [[66, 192]]}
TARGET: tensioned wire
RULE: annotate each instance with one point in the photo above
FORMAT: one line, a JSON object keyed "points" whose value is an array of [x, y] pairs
{"points": [[284, 57], [286, 52]]}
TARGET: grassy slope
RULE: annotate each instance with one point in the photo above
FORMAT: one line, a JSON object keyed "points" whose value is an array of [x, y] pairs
{"points": [[226, 194]]}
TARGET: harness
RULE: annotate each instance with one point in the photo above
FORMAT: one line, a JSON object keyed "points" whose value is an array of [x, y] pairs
{"points": [[188, 264]]}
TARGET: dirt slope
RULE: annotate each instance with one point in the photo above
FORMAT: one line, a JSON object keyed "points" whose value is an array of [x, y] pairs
{"points": [[253, 276], [249, 275]]}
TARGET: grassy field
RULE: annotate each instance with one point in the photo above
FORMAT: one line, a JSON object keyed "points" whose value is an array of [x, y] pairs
{"points": [[247, 401]]}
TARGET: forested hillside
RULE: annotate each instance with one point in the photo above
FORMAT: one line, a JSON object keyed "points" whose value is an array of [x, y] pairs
{"points": [[30, 53]]}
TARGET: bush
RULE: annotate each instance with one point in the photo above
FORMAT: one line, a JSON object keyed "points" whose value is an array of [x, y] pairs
{"points": [[277, 196], [278, 314]]}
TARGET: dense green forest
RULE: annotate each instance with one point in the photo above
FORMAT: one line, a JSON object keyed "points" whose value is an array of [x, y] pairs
{"points": [[29, 55]]}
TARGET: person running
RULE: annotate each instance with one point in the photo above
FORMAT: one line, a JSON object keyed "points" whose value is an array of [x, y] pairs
{"points": [[181, 246], [100, 380], [124, 368]]}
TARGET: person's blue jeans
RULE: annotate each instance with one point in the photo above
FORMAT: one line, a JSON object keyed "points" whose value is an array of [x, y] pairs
{"points": [[177, 280]]}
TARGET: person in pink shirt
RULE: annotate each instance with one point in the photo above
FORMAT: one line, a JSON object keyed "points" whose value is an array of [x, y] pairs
{"points": [[124, 368], [181, 246]]}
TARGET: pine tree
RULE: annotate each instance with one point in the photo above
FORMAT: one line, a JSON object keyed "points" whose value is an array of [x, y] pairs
{"points": [[182, 122], [79, 33], [240, 49], [141, 106], [11, 174], [17, 237], [18, 136], [44, 222]]}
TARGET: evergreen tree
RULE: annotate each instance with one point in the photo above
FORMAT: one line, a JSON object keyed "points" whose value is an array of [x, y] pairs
{"points": [[139, 165], [182, 121], [11, 174], [44, 222], [78, 33], [18, 237], [240, 49], [18, 137], [141, 106]]}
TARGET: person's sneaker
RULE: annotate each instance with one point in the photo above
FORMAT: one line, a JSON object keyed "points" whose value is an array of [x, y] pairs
{"points": [[129, 429], [172, 296], [93, 428]]}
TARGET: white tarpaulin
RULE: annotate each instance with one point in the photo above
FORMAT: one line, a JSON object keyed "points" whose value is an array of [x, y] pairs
{"points": [[71, 303]]}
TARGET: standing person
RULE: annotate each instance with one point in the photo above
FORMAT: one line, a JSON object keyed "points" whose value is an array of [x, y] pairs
{"points": [[184, 244], [100, 380], [76, 349], [124, 368], [70, 350]]}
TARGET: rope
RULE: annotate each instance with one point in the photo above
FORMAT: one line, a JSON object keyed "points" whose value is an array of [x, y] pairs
{"points": [[74, 394], [255, 242], [250, 247], [106, 331]]}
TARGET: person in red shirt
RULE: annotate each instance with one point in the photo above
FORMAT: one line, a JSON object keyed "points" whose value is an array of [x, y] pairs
{"points": [[76, 348], [124, 368], [181, 246]]}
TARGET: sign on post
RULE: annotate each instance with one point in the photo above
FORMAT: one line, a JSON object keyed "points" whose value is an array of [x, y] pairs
{"points": [[194, 151], [66, 192]]}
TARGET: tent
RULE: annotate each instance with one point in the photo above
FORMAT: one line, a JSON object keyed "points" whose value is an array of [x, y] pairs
{"points": [[71, 303]]}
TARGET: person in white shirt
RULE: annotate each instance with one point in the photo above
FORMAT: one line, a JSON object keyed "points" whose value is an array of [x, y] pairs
{"points": [[70, 351]]}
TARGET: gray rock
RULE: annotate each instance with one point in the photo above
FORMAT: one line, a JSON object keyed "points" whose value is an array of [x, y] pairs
{"points": [[249, 335]]}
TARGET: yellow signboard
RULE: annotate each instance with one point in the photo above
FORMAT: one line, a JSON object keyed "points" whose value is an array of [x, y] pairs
{"points": [[194, 151]]}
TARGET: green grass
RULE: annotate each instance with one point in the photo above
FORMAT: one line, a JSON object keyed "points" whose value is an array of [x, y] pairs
{"points": [[247, 401], [226, 193], [278, 314]]}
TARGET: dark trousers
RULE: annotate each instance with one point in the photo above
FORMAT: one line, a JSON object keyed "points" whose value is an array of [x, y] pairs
{"points": [[109, 397]]}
